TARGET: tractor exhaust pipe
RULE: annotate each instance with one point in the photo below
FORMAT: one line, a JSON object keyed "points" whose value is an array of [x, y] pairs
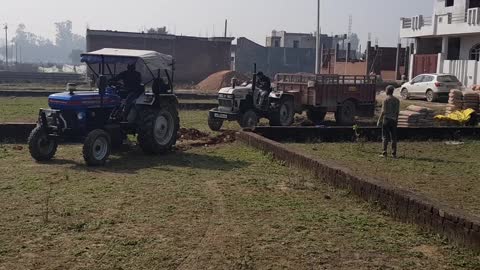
{"points": [[254, 80]]}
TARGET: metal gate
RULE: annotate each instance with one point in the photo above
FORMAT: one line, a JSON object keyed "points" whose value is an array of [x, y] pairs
{"points": [[425, 63]]}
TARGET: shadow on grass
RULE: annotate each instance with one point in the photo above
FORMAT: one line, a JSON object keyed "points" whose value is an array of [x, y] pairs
{"points": [[132, 161]]}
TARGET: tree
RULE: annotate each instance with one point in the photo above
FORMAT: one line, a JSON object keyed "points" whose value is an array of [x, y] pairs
{"points": [[158, 30], [75, 56], [64, 36]]}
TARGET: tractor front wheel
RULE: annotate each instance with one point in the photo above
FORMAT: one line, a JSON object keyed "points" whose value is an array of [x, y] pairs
{"points": [[40, 146], [97, 148], [158, 129], [214, 124]]}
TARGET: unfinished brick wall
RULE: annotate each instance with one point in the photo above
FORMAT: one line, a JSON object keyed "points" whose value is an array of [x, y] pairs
{"points": [[403, 205]]}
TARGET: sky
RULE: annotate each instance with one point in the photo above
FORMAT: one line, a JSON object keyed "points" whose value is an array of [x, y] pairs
{"points": [[254, 19]]}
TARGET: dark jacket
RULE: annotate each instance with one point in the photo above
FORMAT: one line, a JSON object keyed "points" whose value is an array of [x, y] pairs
{"points": [[132, 80]]}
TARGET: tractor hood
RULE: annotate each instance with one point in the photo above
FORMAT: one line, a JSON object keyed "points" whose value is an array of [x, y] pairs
{"points": [[238, 92], [82, 100]]}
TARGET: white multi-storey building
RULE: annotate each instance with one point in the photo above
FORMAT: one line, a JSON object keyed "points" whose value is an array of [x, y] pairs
{"points": [[448, 41]]}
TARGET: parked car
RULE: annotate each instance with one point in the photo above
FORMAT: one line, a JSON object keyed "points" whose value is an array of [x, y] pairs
{"points": [[430, 86]]}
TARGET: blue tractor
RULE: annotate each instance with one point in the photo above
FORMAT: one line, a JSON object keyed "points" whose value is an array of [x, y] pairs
{"points": [[103, 118]]}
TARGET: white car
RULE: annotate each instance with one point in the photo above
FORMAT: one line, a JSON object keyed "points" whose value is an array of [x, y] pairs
{"points": [[430, 86]]}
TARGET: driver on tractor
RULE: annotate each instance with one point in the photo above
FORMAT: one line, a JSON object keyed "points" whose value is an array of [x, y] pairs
{"points": [[132, 81], [264, 86]]}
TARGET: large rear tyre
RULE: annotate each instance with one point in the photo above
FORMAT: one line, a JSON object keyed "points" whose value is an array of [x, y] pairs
{"points": [[249, 119], [158, 130], [97, 148], [316, 116], [346, 113], [285, 115], [40, 146], [214, 124]]}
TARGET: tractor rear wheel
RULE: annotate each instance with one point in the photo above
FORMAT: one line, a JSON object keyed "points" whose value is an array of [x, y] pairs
{"points": [[214, 124], [284, 116], [158, 129], [346, 113], [249, 119], [40, 146], [97, 148], [316, 116]]}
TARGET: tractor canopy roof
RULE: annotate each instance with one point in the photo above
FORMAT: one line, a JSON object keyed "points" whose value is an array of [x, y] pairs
{"points": [[153, 60]]}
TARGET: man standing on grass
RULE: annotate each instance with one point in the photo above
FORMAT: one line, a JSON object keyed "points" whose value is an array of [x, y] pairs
{"points": [[389, 121]]}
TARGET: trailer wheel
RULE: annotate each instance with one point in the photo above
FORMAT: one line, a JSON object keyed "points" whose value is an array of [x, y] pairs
{"points": [[285, 115], [249, 119], [346, 113], [214, 124], [40, 146], [97, 148], [316, 116]]}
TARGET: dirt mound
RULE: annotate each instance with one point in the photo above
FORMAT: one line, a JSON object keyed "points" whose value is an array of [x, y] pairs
{"points": [[220, 80], [191, 134]]}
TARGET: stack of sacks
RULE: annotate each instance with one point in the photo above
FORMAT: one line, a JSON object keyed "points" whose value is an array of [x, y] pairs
{"points": [[416, 116], [455, 101], [476, 89], [470, 100]]}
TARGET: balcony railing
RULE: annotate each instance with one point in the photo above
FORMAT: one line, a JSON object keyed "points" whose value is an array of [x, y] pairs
{"points": [[471, 17], [416, 23]]}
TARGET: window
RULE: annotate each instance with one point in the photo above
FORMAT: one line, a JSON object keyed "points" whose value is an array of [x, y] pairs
{"points": [[296, 44], [475, 52], [418, 79], [277, 43], [427, 78], [447, 79], [449, 3]]}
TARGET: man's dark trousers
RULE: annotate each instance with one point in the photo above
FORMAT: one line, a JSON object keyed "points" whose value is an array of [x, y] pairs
{"points": [[389, 134]]}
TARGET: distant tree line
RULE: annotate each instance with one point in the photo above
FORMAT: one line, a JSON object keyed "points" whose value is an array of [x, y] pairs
{"points": [[28, 47]]}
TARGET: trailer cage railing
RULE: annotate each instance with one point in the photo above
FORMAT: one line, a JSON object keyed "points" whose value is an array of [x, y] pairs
{"points": [[283, 78]]}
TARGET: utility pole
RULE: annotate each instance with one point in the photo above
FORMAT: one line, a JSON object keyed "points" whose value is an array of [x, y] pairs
{"points": [[317, 47], [6, 46]]}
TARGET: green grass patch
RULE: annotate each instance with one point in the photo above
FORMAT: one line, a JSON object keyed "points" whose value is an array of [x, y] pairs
{"points": [[446, 173], [227, 207]]}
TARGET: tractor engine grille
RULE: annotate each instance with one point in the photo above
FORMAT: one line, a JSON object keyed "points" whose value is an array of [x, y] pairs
{"points": [[225, 103]]}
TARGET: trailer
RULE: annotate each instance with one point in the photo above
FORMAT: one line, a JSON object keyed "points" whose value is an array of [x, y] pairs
{"points": [[347, 96]]}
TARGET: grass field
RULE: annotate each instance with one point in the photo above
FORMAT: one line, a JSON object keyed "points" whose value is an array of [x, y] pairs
{"points": [[447, 173], [226, 207]]}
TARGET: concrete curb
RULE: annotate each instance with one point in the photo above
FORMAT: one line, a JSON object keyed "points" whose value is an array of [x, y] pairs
{"points": [[403, 205]]}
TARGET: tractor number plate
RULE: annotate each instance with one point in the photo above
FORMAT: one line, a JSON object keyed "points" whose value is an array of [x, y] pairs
{"points": [[219, 115]]}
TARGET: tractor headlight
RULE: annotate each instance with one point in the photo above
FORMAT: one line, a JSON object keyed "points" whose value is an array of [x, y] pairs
{"points": [[81, 116], [226, 96]]}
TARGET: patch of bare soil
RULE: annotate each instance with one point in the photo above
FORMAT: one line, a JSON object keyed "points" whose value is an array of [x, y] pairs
{"points": [[190, 137]]}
